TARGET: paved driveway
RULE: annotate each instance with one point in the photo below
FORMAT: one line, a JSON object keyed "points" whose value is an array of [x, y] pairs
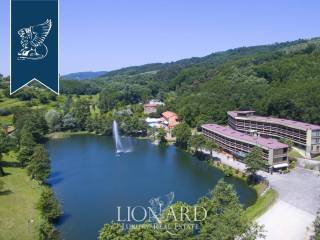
{"points": [[293, 213], [297, 205], [300, 188]]}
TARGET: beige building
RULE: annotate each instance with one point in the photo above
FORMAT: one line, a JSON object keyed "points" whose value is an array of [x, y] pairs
{"points": [[303, 135]]}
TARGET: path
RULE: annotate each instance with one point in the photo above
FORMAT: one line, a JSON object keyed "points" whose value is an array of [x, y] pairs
{"points": [[297, 205], [295, 210]]}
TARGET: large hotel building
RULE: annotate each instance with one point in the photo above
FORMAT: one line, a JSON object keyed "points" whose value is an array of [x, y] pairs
{"points": [[240, 144], [304, 135]]}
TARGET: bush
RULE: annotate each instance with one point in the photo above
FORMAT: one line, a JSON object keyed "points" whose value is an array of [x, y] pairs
{"points": [[49, 205], [292, 164], [47, 231], [228, 171]]}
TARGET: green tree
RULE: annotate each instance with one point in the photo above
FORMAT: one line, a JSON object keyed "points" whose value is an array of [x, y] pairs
{"points": [[211, 146], [254, 161], [47, 231], [112, 231], [49, 205], [161, 136], [182, 132], [197, 141], [33, 122], [67, 104], [26, 138], [81, 113], [172, 217], [24, 155], [146, 233], [53, 119], [3, 148], [68, 122], [27, 144], [39, 165], [226, 218]]}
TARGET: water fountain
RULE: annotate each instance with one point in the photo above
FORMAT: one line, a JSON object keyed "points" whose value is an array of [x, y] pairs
{"points": [[117, 138]]}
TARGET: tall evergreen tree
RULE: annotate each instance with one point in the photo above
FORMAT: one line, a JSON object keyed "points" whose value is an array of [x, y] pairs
{"points": [[3, 148], [226, 217], [49, 205], [39, 166], [254, 161]]}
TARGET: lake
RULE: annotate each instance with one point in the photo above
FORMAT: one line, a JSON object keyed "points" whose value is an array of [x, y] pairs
{"points": [[91, 180]]}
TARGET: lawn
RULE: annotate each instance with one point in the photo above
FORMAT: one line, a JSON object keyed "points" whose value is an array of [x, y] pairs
{"points": [[6, 120], [295, 154], [19, 217], [11, 102], [262, 204]]}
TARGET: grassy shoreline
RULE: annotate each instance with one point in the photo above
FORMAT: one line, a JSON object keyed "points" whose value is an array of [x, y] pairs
{"points": [[59, 135], [20, 218], [265, 197], [262, 205]]}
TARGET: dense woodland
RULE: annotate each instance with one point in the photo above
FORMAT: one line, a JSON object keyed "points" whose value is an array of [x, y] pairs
{"points": [[280, 79]]}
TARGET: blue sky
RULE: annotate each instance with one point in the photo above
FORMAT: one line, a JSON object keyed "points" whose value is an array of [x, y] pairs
{"points": [[106, 35]]}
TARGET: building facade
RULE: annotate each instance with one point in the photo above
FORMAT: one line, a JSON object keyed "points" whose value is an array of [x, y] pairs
{"points": [[304, 135], [170, 119], [151, 106], [240, 144]]}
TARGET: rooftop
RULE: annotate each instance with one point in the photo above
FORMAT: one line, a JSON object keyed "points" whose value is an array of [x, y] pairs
{"points": [[169, 114], [281, 121], [267, 143]]}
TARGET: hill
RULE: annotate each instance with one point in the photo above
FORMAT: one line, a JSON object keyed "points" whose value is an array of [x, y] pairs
{"points": [[281, 79], [83, 75]]}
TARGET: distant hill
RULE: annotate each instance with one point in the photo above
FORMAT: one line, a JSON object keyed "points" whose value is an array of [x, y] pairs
{"points": [[83, 75], [280, 79]]}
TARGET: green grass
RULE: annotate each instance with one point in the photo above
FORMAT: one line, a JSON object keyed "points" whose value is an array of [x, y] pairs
{"points": [[6, 120], [316, 158], [294, 154], [19, 216], [262, 204], [12, 102]]}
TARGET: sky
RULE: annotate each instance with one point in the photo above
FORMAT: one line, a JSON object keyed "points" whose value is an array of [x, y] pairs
{"points": [[105, 35]]}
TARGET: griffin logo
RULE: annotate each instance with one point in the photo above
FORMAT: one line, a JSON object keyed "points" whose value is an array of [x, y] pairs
{"points": [[32, 41]]}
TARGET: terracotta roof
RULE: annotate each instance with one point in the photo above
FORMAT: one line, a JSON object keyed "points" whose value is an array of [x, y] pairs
{"points": [[267, 143], [169, 114], [280, 121]]}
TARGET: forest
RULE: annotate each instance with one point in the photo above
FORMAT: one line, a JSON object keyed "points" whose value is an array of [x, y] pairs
{"points": [[280, 79]]}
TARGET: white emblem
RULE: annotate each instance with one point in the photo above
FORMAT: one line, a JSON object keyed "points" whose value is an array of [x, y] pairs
{"points": [[32, 41]]}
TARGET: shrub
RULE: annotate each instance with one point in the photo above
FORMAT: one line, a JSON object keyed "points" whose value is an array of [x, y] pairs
{"points": [[47, 231], [228, 171], [49, 205]]}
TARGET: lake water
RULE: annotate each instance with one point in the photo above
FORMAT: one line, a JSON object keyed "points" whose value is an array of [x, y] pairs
{"points": [[91, 180]]}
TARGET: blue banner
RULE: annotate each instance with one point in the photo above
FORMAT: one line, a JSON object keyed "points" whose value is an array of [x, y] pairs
{"points": [[34, 43]]}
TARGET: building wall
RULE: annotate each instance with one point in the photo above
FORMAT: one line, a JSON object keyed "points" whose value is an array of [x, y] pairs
{"points": [[236, 147], [299, 137], [148, 109]]}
